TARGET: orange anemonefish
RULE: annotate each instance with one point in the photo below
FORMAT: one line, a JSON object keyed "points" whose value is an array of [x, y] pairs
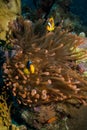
{"points": [[50, 25]]}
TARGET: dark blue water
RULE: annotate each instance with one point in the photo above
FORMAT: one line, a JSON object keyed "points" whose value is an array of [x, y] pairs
{"points": [[78, 7], [28, 3]]}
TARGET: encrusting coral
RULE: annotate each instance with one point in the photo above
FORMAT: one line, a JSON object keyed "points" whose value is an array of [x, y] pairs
{"points": [[5, 118], [53, 56], [9, 10]]}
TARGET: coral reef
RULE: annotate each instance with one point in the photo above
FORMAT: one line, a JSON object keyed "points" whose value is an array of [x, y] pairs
{"points": [[5, 119], [43, 66], [46, 116], [9, 10]]}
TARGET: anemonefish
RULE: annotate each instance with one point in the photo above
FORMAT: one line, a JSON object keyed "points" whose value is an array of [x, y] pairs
{"points": [[50, 25], [31, 67]]}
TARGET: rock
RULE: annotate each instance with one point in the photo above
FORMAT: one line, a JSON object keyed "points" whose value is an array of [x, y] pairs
{"points": [[9, 10], [79, 119]]}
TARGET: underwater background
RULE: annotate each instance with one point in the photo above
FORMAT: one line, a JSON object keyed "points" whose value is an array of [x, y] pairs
{"points": [[78, 8], [43, 65]]}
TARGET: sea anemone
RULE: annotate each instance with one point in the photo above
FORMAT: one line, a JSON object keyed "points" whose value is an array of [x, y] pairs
{"points": [[54, 56]]}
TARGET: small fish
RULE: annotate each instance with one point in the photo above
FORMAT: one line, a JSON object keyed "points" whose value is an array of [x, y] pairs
{"points": [[51, 120], [50, 25], [31, 67]]}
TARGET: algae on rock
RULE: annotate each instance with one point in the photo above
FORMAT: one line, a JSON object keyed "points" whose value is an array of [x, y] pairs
{"points": [[5, 119], [9, 10]]}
